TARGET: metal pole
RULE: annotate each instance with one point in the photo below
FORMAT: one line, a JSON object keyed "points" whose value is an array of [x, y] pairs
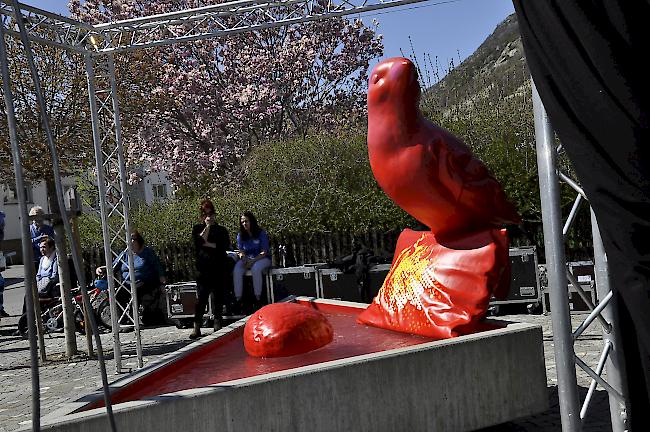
{"points": [[592, 386], [555, 264], [572, 215], [108, 259], [616, 361], [28, 253], [125, 207], [59, 195], [87, 311]]}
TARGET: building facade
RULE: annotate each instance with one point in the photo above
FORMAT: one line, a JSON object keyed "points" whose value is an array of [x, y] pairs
{"points": [[155, 187]]}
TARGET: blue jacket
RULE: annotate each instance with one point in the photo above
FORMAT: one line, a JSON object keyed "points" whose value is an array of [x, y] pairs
{"points": [[146, 265], [252, 246]]}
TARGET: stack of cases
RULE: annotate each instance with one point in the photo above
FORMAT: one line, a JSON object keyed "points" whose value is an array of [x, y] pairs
{"points": [[337, 285]]}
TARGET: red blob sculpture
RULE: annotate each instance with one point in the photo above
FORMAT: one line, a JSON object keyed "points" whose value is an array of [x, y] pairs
{"points": [[286, 329], [441, 281]]}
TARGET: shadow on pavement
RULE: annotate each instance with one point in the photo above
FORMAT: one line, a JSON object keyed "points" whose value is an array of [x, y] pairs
{"points": [[596, 420], [158, 349], [13, 281]]}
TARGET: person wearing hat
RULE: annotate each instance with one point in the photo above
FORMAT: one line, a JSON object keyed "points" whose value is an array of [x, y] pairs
{"points": [[39, 230]]}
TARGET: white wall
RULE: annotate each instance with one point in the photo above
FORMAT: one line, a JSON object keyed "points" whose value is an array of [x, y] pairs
{"points": [[157, 187], [156, 183], [36, 194]]}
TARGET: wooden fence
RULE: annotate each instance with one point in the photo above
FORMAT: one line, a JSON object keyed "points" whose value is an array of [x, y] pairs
{"points": [[287, 250]]}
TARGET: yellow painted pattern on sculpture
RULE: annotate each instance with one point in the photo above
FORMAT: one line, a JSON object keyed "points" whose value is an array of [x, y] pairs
{"points": [[438, 290], [410, 280]]}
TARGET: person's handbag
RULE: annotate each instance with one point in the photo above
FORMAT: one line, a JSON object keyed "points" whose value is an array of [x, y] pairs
{"points": [[48, 287], [43, 285]]}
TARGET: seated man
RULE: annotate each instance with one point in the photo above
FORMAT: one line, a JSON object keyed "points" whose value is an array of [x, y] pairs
{"points": [[47, 276], [39, 231], [149, 274]]}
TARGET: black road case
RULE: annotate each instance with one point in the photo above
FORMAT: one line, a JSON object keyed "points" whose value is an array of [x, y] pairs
{"points": [[337, 285], [524, 279], [181, 302], [584, 273], [298, 281]]}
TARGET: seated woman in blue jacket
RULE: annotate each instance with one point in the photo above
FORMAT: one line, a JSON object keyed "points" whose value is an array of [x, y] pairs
{"points": [[254, 255], [149, 274]]}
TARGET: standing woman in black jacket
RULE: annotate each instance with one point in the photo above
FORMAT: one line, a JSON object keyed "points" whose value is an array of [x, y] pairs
{"points": [[214, 267]]}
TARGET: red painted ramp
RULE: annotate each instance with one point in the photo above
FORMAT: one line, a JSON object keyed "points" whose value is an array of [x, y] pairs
{"points": [[224, 359]]}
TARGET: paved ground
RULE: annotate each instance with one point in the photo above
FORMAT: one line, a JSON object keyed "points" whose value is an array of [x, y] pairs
{"points": [[66, 380]]}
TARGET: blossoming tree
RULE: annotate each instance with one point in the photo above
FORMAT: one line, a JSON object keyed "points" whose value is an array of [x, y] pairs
{"points": [[207, 102]]}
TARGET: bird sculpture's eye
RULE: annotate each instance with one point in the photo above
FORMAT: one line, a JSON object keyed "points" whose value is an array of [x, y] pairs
{"points": [[375, 78]]}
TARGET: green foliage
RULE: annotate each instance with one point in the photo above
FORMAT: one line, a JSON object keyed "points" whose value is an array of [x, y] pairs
{"points": [[319, 183], [315, 184]]}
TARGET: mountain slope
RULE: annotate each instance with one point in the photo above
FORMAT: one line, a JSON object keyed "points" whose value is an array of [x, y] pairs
{"points": [[496, 69]]}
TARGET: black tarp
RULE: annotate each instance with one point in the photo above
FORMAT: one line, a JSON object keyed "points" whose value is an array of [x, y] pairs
{"points": [[586, 58]]}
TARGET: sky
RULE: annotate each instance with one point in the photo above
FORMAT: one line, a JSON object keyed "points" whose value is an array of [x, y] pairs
{"points": [[448, 29]]}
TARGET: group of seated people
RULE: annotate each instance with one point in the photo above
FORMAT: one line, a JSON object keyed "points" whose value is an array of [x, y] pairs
{"points": [[217, 273], [220, 272]]}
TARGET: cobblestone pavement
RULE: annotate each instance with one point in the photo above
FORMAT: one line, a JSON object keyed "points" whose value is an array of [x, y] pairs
{"points": [[64, 381]]}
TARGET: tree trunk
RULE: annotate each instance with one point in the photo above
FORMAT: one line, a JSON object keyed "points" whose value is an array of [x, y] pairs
{"points": [[87, 308], [64, 273]]}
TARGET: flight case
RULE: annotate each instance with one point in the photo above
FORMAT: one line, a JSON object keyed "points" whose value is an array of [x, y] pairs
{"points": [[524, 279], [298, 281], [181, 302], [337, 285]]}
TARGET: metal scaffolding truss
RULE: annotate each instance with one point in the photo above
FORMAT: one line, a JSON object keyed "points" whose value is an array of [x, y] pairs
{"points": [[98, 43], [183, 26], [46, 27], [113, 196], [571, 411]]}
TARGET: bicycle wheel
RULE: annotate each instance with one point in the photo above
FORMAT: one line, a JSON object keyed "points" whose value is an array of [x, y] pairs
{"points": [[104, 314], [79, 322]]}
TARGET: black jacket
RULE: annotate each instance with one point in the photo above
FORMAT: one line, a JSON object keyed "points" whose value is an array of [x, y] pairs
{"points": [[210, 259]]}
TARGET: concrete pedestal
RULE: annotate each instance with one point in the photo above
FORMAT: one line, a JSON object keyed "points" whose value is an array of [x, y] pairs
{"points": [[459, 384]]}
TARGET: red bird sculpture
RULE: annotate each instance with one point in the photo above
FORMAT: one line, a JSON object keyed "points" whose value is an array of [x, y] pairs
{"points": [[422, 167], [441, 281]]}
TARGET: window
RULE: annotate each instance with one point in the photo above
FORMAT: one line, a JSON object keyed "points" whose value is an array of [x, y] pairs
{"points": [[159, 191], [11, 197], [71, 198]]}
